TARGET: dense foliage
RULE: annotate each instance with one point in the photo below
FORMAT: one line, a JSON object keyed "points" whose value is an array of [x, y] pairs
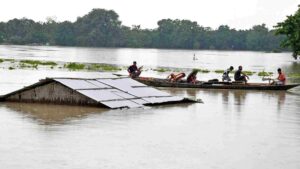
{"points": [[102, 28], [291, 29]]}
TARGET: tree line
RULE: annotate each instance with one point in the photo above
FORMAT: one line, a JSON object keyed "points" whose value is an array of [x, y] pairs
{"points": [[102, 28]]}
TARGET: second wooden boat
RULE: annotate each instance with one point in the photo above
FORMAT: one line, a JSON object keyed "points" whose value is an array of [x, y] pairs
{"points": [[157, 82]]}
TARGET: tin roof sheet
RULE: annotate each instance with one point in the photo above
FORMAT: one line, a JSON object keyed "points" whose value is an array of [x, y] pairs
{"points": [[118, 92]]}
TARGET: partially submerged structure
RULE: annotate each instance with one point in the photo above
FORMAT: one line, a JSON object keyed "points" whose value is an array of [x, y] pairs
{"points": [[107, 92]]}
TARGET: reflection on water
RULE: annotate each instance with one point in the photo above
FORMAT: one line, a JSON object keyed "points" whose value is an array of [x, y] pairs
{"points": [[52, 114], [232, 128]]}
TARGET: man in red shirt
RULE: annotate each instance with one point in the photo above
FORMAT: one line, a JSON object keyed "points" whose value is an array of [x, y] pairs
{"points": [[281, 79]]}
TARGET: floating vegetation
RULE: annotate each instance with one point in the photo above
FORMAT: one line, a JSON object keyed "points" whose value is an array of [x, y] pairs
{"points": [[23, 66], [263, 73], [178, 70], [161, 70], [74, 66], [10, 60], [249, 73], [37, 62], [1, 60], [219, 71], [294, 75], [104, 67], [11, 68]]}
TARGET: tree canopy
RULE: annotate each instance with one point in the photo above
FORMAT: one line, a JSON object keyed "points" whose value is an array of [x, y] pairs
{"points": [[102, 28], [291, 29]]}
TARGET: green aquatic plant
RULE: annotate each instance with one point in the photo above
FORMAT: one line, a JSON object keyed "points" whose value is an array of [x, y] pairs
{"points": [[11, 68], [74, 66], [104, 67], [161, 70], [37, 62], [249, 73], [219, 71], [263, 73], [177, 70], [10, 60], [23, 65], [1, 60], [294, 75]]}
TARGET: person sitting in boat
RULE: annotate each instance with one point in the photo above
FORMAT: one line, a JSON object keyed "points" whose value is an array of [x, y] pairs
{"points": [[240, 76], [134, 71], [192, 77], [176, 77], [225, 76], [281, 79]]}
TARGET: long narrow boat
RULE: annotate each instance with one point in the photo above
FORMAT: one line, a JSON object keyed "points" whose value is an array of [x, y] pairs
{"points": [[213, 85]]}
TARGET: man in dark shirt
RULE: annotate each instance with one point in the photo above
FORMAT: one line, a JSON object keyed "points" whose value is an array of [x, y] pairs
{"points": [[240, 76], [134, 71]]}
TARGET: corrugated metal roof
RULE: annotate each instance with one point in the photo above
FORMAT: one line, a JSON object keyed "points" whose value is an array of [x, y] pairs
{"points": [[122, 103], [77, 84], [118, 92], [113, 93]]}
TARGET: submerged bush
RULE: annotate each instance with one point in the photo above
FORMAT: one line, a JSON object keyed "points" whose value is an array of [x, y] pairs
{"points": [[37, 62], [104, 67], [219, 71], [249, 73], [294, 75], [161, 69], [263, 73], [74, 66]]}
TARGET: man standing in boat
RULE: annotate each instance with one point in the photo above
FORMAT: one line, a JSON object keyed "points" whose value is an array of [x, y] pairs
{"points": [[134, 71], [240, 76]]}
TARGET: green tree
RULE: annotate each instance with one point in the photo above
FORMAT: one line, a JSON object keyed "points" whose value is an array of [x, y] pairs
{"points": [[291, 29], [2, 32], [256, 38], [65, 34], [177, 33], [100, 28], [24, 31]]}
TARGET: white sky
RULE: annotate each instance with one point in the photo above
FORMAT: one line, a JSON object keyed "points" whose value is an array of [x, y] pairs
{"points": [[240, 14]]}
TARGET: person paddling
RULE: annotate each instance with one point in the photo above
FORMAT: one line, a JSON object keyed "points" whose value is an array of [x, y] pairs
{"points": [[134, 71], [240, 76]]}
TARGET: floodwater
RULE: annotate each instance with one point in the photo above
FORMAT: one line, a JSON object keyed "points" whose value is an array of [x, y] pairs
{"points": [[233, 129]]}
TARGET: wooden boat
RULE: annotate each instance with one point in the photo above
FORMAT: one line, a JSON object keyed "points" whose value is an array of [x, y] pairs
{"points": [[156, 82]]}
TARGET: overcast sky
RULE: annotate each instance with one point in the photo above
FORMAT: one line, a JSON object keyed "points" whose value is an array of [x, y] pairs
{"points": [[240, 14]]}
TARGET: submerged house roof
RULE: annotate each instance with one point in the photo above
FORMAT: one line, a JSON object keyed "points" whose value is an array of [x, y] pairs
{"points": [[108, 92]]}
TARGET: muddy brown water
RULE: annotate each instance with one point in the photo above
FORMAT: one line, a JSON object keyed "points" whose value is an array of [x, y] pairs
{"points": [[232, 129]]}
